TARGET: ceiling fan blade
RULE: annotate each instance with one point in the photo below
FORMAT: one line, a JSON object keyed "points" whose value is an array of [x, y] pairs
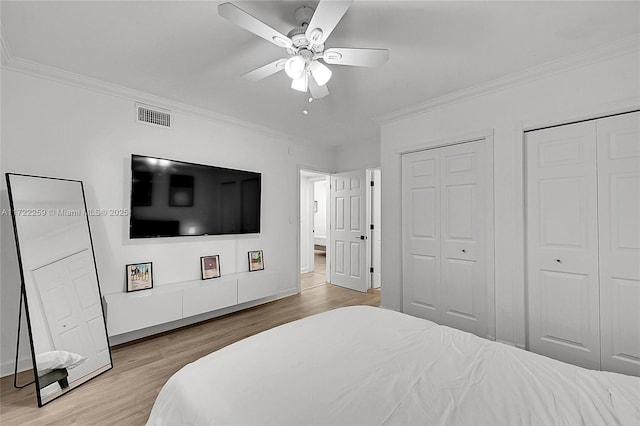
{"points": [[241, 18], [265, 70], [356, 57], [317, 92], [325, 18]]}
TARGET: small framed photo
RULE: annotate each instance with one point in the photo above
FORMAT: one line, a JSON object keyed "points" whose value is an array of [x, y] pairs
{"points": [[210, 266], [139, 276], [256, 261]]}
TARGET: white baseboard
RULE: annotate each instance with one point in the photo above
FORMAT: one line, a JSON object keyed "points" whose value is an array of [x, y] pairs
{"points": [[24, 364]]}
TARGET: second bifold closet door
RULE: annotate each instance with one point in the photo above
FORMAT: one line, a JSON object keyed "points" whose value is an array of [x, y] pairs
{"points": [[583, 242]]}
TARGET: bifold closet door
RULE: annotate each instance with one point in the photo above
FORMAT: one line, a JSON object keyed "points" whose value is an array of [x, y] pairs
{"points": [[445, 205], [562, 244], [619, 226], [421, 235], [463, 237]]}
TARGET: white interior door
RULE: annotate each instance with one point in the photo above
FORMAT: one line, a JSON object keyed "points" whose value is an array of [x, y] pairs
{"points": [[447, 228], [463, 237], [619, 230], [421, 235], [562, 244], [69, 297], [348, 232]]}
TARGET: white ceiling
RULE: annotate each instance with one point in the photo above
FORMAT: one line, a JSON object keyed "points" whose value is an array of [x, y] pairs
{"points": [[185, 52]]}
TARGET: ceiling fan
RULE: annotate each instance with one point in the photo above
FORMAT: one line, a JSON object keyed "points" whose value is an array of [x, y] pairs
{"points": [[305, 45]]}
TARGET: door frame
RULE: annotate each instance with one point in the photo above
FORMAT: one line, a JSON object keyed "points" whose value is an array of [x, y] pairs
{"points": [[371, 200], [299, 169], [482, 135]]}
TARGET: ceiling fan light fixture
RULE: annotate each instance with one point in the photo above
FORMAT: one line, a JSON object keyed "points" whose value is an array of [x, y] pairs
{"points": [[295, 66], [300, 84], [321, 73]]}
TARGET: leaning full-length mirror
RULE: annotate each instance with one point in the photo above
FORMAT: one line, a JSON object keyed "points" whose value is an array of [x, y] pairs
{"points": [[69, 341]]}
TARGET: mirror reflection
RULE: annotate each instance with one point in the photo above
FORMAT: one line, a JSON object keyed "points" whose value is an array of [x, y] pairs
{"points": [[63, 303]]}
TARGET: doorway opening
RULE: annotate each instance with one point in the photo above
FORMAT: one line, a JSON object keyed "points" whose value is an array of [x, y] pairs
{"points": [[314, 229], [354, 203]]}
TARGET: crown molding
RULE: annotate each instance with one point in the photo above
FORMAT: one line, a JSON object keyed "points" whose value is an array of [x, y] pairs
{"points": [[12, 63], [620, 47]]}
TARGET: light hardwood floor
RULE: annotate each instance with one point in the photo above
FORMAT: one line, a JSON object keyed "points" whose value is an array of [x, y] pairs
{"points": [[125, 394], [318, 276]]}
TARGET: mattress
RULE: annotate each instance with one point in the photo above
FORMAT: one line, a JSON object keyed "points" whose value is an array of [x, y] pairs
{"points": [[370, 366]]}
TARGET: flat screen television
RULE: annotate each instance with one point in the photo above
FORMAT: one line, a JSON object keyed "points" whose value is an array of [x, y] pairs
{"points": [[172, 198]]}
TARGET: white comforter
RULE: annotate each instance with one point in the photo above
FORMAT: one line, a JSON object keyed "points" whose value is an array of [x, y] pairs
{"points": [[370, 366]]}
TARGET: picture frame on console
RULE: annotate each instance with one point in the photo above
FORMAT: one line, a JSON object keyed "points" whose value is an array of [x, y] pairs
{"points": [[256, 260], [139, 276], [210, 267]]}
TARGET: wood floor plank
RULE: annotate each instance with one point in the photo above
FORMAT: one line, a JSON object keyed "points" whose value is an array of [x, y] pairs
{"points": [[125, 394]]}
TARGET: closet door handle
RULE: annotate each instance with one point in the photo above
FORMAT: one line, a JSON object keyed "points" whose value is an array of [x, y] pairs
{"points": [[558, 261]]}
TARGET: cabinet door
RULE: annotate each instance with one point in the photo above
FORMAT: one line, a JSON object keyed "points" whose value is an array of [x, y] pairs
{"points": [[619, 228], [562, 244]]}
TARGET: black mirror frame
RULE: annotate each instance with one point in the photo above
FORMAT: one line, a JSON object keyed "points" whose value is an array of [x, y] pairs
{"points": [[23, 290]]}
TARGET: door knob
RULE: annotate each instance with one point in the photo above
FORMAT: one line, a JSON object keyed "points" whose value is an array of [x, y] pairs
{"points": [[464, 251], [558, 261]]}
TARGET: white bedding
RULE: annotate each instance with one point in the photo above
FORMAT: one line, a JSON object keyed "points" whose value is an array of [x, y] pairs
{"points": [[370, 366]]}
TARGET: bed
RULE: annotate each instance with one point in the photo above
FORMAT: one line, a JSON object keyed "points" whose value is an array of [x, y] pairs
{"points": [[371, 366]]}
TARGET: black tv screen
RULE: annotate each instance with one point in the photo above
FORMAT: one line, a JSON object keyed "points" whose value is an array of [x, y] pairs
{"points": [[173, 198]]}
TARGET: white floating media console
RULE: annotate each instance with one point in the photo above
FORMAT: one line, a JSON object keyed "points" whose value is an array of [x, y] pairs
{"points": [[130, 312]]}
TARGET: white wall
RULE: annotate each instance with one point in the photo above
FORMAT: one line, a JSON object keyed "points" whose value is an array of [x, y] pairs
{"points": [[357, 156], [58, 129], [320, 196], [610, 84], [306, 224]]}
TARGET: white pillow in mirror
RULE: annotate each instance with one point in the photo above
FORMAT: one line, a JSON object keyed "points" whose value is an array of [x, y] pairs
{"points": [[48, 361]]}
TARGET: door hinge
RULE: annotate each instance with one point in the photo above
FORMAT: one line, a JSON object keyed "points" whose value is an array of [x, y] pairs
{"points": [[371, 226], [371, 270], [372, 184]]}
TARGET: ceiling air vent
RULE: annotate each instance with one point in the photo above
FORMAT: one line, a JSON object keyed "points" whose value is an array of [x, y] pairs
{"points": [[153, 115]]}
